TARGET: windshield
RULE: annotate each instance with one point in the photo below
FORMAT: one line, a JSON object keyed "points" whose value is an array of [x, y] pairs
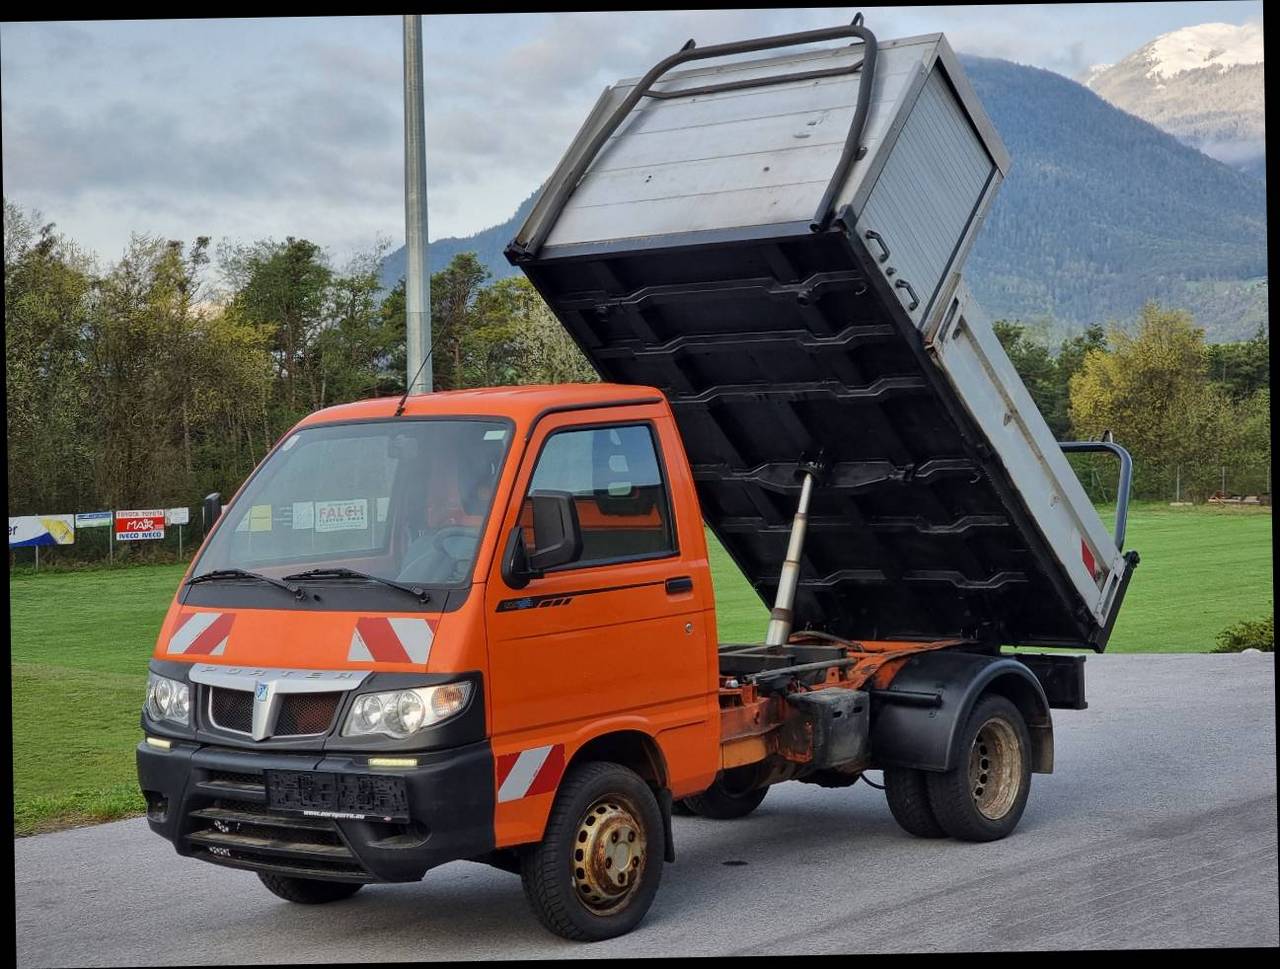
{"points": [[404, 500]]}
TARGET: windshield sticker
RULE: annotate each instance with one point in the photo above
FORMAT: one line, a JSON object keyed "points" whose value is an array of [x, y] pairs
{"points": [[497, 435], [338, 516], [304, 514], [260, 518], [382, 508]]}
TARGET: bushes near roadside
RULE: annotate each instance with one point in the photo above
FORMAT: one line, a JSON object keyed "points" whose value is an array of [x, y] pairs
{"points": [[1259, 634]]}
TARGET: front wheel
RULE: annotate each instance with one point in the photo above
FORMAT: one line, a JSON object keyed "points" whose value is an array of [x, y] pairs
{"points": [[307, 891], [596, 870], [731, 795], [983, 795]]}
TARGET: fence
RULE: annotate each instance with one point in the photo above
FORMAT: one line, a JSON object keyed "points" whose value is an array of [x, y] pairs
{"points": [[1191, 483], [97, 543]]}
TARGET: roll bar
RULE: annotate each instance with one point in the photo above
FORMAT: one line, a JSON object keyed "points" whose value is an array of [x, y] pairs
{"points": [[563, 185], [1126, 478]]}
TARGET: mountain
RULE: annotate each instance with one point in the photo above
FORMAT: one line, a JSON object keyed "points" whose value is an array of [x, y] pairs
{"points": [[487, 244], [1101, 211], [1203, 84]]}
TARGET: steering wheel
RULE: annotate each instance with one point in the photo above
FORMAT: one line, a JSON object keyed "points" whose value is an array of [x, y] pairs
{"points": [[434, 562]]}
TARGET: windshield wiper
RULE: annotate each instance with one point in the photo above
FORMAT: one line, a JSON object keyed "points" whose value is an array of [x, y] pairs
{"points": [[217, 574], [416, 591]]}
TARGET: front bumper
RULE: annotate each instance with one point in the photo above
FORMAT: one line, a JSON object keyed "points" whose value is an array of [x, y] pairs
{"points": [[211, 802]]}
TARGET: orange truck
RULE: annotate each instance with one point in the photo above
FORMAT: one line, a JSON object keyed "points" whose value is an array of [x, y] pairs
{"points": [[481, 624]]}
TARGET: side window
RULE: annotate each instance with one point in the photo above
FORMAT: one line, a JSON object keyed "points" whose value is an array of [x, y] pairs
{"points": [[614, 477]]}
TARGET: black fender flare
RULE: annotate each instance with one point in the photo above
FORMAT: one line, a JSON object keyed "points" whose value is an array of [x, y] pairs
{"points": [[935, 691]]}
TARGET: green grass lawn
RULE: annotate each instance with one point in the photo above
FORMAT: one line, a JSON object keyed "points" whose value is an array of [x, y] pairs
{"points": [[80, 643]]}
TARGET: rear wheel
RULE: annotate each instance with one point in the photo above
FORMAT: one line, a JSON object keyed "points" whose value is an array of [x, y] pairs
{"points": [[595, 872], [983, 796], [908, 797], [308, 891], [731, 795]]}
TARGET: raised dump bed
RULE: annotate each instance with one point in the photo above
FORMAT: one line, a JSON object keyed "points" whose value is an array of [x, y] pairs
{"points": [[776, 244]]}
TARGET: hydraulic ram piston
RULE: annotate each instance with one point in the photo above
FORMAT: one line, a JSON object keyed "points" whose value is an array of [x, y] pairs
{"points": [[782, 615]]}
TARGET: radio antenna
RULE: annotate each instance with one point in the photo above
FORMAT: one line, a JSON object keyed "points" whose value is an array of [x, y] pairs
{"points": [[409, 386]]}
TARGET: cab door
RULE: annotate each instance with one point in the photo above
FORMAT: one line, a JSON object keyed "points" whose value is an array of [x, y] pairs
{"points": [[619, 638]]}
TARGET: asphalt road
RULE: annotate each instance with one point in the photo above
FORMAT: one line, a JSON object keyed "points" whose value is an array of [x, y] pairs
{"points": [[1158, 828]]}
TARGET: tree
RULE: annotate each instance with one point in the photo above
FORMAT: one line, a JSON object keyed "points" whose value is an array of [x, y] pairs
{"points": [[1152, 390], [518, 340], [282, 288], [453, 294], [49, 409], [1242, 368]]}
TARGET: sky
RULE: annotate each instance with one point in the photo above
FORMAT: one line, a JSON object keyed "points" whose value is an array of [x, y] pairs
{"points": [[247, 129]]}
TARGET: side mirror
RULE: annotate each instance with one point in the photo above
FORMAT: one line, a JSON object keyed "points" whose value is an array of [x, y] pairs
{"points": [[557, 536], [212, 509], [557, 539]]}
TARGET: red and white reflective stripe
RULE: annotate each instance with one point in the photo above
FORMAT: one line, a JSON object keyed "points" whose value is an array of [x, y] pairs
{"points": [[202, 633], [1090, 562], [529, 772], [377, 639]]}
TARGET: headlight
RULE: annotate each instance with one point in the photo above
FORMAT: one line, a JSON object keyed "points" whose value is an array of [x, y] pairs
{"points": [[168, 700], [401, 713]]}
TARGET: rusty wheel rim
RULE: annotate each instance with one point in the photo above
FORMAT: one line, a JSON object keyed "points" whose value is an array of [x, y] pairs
{"points": [[609, 853], [995, 768]]}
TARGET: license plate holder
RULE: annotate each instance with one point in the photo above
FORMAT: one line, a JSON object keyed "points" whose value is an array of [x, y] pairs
{"points": [[329, 794]]}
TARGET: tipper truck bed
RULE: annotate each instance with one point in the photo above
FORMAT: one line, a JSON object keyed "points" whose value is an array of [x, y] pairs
{"points": [[714, 247], [480, 624]]}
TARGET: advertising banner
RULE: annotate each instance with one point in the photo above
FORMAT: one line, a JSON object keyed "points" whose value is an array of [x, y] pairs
{"points": [[35, 530], [94, 519], [139, 526]]}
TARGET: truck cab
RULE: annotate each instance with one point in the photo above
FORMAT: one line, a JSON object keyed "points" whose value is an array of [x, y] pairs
{"points": [[430, 713]]}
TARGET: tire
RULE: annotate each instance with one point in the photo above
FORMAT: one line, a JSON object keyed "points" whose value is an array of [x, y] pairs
{"points": [[601, 812], [908, 795], [308, 891], [983, 795], [725, 800]]}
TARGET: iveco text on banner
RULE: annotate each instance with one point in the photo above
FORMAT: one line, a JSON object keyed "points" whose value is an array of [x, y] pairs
{"points": [[138, 526]]}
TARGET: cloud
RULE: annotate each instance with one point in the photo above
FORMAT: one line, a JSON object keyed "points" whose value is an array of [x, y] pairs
{"points": [[266, 127]]}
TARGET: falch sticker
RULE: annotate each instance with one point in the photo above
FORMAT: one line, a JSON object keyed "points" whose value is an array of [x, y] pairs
{"points": [[201, 633], [529, 772], [377, 639]]}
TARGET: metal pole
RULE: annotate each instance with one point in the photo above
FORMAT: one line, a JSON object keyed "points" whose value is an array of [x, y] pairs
{"points": [[1177, 488], [417, 295], [783, 614], [37, 558]]}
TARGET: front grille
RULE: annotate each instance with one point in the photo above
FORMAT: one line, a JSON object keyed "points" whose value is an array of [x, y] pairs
{"points": [[306, 713], [231, 709], [244, 834], [301, 714]]}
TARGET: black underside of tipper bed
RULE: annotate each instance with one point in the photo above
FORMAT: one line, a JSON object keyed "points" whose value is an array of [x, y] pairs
{"points": [[775, 350]]}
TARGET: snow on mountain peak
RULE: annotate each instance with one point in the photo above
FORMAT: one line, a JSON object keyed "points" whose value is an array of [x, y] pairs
{"points": [[1204, 45]]}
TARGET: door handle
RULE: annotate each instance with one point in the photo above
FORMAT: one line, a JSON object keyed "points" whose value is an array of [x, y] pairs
{"points": [[678, 584]]}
